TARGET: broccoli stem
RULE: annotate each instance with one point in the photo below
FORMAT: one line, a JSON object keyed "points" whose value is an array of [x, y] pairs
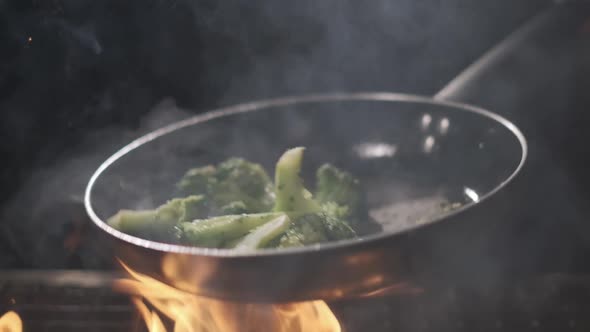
{"points": [[130, 221], [290, 193], [159, 220], [213, 232], [262, 235]]}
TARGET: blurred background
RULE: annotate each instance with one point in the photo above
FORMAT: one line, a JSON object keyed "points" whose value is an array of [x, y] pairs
{"points": [[80, 78]]}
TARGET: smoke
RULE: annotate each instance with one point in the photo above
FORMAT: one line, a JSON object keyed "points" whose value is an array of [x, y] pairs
{"points": [[48, 209], [92, 70], [541, 84], [109, 66], [402, 46]]}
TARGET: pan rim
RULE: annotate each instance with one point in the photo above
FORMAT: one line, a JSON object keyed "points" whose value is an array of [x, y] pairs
{"points": [[284, 101]]}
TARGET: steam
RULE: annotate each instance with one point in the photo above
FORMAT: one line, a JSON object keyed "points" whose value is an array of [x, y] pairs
{"points": [[311, 46], [38, 219], [88, 76], [205, 53]]}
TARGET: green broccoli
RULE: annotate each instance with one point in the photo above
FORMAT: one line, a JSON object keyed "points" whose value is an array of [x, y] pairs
{"points": [[198, 181], [234, 186], [237, 207], [234, 205], [264, 234], [340, 193], [291, 195], [315, 228], [338, 229], [336, 211], [307, 229], [159, 223], [216, 231], [325, 216]]}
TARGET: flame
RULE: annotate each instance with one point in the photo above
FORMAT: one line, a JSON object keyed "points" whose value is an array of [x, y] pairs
{"points": [[158, 302], [11, 322]]}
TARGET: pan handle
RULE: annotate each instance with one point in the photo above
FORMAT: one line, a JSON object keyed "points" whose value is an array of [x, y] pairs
{"points": [[459, 87]]}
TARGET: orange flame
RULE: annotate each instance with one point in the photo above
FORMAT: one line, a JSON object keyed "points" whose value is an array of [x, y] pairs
{"points": [[189, 313], [11, 322]]}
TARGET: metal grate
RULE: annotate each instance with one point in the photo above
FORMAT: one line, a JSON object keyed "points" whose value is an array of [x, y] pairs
{"points": [[66, 301], [83, 301]]}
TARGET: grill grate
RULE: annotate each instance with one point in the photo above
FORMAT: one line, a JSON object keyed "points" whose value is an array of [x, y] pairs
{"points": [[66, 301], [76, 301]]}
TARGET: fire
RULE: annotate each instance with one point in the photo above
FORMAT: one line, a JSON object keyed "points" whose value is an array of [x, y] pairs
{"points": [[158, 303], [11, 322]]}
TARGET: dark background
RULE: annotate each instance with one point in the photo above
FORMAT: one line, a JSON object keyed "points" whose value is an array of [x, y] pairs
{"points": [[78, 77]]}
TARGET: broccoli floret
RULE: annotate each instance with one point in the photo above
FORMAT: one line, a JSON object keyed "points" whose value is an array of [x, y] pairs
{"points": [[335, 186], [324, 218], [315, 228], [234, 186], [198, 181], [234, 208], [338, 229], [291, 195], [264, 234], [191, 207], [216, 231], [307, 229], [231, 206], [335, 210], [158, 224], [242, 181]]}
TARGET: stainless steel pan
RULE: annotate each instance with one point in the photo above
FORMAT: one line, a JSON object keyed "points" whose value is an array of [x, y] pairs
{"points": [[413, 154]]}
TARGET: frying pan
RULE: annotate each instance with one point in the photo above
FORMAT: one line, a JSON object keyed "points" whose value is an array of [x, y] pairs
{"points": [[414, 155]]}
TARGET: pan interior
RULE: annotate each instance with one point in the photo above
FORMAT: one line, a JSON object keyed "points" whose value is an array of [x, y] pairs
{"points": [[416, 158]]}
